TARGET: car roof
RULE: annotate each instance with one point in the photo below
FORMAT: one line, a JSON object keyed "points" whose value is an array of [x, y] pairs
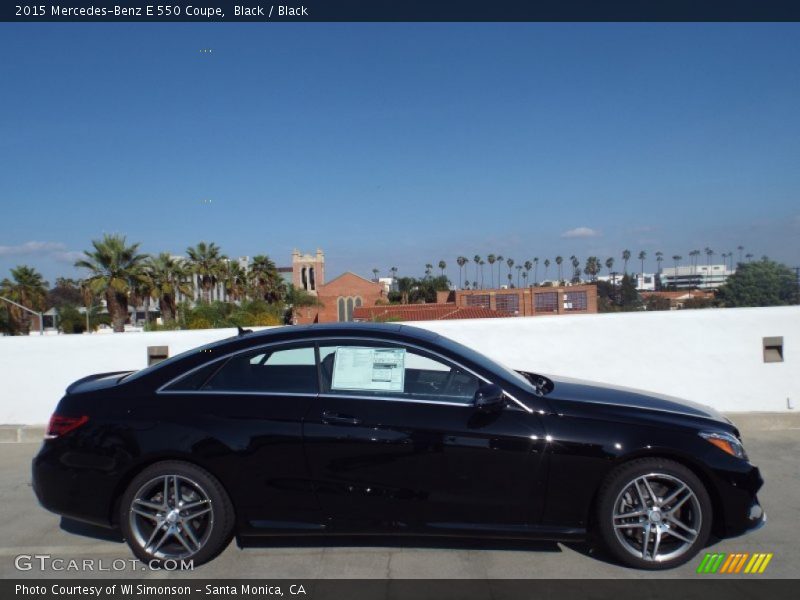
{"points": [[350, 328]]}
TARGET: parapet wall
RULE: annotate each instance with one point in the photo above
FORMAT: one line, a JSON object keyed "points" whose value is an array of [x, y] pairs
{"points": [[713, 356]]}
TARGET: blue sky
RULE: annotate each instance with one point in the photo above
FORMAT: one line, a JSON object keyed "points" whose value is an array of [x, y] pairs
{"points": [[399, 144]]}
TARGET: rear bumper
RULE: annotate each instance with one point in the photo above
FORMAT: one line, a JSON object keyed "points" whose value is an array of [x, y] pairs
{"points": [[71, 491]]}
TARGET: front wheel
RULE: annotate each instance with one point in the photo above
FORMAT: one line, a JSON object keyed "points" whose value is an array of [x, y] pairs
{"points": [[175, 511], [654, 513]]}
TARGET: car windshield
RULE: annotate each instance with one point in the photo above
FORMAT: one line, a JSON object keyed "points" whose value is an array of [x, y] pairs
{"points": [[490, 365]]}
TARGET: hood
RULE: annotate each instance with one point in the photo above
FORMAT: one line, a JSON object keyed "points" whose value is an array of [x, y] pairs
{"points": [[98, 381], [577, 390]]}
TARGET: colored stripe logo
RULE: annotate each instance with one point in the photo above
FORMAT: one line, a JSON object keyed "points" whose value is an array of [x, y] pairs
{"points": [[735, 562]]}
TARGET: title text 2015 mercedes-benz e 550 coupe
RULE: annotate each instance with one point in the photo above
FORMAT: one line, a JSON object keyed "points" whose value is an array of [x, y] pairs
{"points": [[386, 429]]}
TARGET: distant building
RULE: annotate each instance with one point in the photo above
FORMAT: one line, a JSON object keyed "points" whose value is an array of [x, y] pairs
{"points": [[308, 271], [340, 298], [677, 299], [493, 303], [702, 277], [645, 282]]}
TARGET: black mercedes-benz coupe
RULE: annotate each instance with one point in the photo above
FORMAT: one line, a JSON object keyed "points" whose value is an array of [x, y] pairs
{"points": [[387, 429]]}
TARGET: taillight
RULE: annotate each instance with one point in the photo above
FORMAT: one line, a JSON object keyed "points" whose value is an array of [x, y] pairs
{"points": [[59, 425]]}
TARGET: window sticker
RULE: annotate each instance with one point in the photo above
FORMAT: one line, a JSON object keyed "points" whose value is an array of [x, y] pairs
{"points": [[369, 369]]}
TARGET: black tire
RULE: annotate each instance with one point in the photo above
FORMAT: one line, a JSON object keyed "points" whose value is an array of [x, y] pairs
{"points": [[664, 477], [204, 536]]}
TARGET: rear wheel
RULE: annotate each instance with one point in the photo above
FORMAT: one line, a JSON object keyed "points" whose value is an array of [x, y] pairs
{"points": [[176, 511], [654, 513]]}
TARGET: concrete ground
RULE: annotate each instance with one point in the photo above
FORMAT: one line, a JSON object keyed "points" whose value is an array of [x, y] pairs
{"points": [[29, 529]]}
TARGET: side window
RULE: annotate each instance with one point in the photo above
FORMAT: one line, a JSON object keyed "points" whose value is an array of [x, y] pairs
{"points": [[393, 371], [290, 370]]}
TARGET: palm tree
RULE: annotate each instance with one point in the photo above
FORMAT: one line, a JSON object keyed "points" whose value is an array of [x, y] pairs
{"points": [[428, 270], [491, 259], [546, 267], [28, 288], [519, 271], [168, 277], [626, 256], [560, 260], [748, 257], [236, 281], [477, 260], [592, 267], [442, 266], [499, 262], [642, 256], [510, 263], [375, 274], [740, 248], [113, 266], [535, 270], [709, 253], [659, 259], [609, 266], [677, 258], [528, 267], [205, 261], [693, 255], [393, 271], [266, 280], [461, 261], [481, 264], [576, 269]]}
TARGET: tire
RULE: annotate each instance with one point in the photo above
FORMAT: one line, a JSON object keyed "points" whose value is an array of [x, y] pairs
{"points": [[676, 525], [192, 532]]}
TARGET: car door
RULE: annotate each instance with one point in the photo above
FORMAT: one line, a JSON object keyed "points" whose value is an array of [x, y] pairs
{"points": [[251, 405], [394, 443]]}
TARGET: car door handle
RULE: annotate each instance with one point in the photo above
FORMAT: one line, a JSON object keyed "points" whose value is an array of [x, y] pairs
{"points": [[334, 418]]}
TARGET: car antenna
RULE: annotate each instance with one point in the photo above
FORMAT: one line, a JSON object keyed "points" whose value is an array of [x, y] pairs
{"points": [[243, 331]]}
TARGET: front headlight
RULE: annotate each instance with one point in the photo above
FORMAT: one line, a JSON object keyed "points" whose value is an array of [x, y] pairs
{"points": [[726, 442]]}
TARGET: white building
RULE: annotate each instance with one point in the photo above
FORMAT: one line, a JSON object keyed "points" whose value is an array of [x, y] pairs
{"points": [[704, 277], [645, 282]]}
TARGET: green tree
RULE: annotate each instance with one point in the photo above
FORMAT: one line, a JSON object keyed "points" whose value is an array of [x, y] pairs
{"points": [[442, 266], [626, 256], [628, 298], [168, 277], [205, 261], [266, 281], [761, 283], [28, 288], [113, 267], [66, 292], [592, 267], [461, 261], [657, 303]]}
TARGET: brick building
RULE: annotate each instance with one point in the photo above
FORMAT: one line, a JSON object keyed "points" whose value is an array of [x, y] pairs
{"points": [[339, 299], [532, 301]]}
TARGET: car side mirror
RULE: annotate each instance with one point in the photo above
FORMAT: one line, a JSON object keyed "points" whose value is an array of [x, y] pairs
{"points": [[489, 398]]}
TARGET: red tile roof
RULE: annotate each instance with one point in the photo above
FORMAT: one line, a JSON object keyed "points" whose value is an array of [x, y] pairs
{"points": [[424, 312]]}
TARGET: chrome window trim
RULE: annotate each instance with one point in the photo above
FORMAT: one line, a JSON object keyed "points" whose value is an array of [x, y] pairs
{"points": [[332, 340]]}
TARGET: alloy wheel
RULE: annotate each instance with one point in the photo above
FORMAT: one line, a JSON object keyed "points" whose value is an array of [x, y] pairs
{"points": [[657, 517], [171, 517]]}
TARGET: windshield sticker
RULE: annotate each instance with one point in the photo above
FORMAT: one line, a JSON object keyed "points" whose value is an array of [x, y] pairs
{"points": [[369, 369]]}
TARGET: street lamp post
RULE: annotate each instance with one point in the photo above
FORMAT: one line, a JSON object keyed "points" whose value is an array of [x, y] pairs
{"points": [[33, 312]]}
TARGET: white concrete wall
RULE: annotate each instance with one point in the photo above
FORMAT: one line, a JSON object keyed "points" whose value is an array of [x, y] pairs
{"points": [[710, 356]]}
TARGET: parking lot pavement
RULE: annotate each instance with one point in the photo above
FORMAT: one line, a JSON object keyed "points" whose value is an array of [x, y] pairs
{"points": [[27, 529]]}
